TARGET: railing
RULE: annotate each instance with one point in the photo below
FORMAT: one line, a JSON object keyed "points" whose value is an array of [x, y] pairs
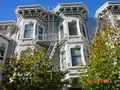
{"points": [[55, 37], [47, 37]]}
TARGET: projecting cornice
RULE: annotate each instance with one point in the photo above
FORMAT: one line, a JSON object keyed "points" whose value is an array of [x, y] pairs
{"points": [[113, 7], [72, 9], [45, 15]]}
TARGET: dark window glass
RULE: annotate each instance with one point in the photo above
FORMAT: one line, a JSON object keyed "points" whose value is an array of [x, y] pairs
{"points": [[72, 28], [2, 51], [76, 56], [61, 32], [83, 29], [40, 33]]}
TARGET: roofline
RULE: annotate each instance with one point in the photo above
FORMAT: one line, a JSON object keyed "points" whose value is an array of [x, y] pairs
{"points": [[70, 4], [8, 22], [106, 5], [31, 6], [46, 10]]}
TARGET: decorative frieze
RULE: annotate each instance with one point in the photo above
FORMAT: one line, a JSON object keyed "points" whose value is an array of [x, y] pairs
{"points": [[35, 11], [112, 8]]}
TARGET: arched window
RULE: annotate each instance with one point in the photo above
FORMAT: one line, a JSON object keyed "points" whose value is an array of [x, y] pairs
{"points": [[28, 32]]}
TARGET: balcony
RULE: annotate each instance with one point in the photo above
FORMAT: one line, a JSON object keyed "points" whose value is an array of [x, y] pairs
{"points": [[47, 37]]}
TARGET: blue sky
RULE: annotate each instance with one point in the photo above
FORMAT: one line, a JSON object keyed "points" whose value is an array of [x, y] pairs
{"points": [[8, 6]]}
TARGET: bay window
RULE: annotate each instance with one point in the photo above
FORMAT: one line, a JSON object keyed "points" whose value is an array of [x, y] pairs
{"points": [[76, 56], [28, 32]]}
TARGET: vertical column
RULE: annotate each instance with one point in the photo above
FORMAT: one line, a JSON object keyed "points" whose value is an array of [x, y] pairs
{"points": [[83, 56], [68, 55], [78, 28], [34, 29], [65, 28]]}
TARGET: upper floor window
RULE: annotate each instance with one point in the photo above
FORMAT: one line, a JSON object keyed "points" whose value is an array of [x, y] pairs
{"points": [[61, 32], [83, 30], [28, 32], [76, 56], [2, 51], [72, 28], [40, 33]]}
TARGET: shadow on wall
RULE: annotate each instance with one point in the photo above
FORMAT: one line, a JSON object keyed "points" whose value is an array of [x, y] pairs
{"points": [[92, 23]]}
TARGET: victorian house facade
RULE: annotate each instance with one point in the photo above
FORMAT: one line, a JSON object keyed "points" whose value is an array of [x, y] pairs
{"points": [[63, 32], [109, 10]]}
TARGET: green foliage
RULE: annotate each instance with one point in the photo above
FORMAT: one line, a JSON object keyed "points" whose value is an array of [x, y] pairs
{"points": [[31, 72], [104, 58]]}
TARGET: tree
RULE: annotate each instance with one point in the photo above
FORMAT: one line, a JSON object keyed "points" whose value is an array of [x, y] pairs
{"points": [[104, 58], [31, 72]]}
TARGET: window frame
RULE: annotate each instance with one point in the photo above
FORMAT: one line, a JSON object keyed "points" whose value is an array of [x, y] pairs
{"points": [[84, 31], [72, 56], [28, 30], [73, 21], [37, 34]]}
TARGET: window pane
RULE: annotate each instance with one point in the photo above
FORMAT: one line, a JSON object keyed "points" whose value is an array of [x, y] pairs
{"points": [[40, 30], [72, 28], [40, 33], [28, 33], [75, 51], [76, 61], [61, 32], [83, 28], [76, 56]]}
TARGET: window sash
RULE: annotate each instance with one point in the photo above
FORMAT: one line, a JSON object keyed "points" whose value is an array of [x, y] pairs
{"points": [[76, 60], [28, 32], [72, 28], [83, 29], [76, 56]]}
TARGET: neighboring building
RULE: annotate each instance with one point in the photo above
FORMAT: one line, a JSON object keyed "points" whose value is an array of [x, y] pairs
{"points": [[63, 32], [7, 41], [109, 10]]}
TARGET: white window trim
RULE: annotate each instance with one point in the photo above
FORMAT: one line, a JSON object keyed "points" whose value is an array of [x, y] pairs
{"points": [[80, 56], [60, 31], [34, 25], [77, 26]]}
